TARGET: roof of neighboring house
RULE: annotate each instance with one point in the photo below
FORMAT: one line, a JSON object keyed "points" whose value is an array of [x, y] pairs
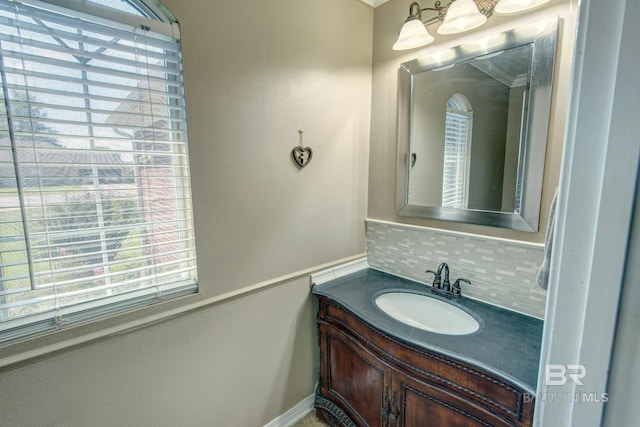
{"points": [[54, 161]]}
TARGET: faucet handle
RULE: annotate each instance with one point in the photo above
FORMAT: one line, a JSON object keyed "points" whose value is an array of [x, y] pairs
{"points": [[436, 278], [455, 289]]}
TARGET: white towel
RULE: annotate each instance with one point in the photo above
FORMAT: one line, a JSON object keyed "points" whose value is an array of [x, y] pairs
{"points": [[543, 272]]}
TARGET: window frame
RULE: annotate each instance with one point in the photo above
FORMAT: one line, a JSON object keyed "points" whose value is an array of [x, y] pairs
{"points": [[39, 341], [164, 22]]}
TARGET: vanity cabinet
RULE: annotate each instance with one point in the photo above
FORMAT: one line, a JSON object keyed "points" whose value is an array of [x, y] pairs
{"points": [[369, 378]]}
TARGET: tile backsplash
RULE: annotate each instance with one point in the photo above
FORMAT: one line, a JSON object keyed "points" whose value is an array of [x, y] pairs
{"points": [[502, 271]]}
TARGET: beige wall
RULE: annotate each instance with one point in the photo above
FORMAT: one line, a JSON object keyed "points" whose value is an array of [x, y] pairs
{"points": [[241, 363], [255, 73], [290, 65], [382, 166]]}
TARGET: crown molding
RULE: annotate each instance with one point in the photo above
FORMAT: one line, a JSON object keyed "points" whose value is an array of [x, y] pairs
{"points": [[374, 3]]}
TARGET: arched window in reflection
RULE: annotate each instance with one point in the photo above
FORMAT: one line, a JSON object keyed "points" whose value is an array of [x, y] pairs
{"points": [[457, 152]]}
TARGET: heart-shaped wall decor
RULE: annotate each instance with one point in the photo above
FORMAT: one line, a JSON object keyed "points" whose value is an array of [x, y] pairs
{"points": [[301, 155]]}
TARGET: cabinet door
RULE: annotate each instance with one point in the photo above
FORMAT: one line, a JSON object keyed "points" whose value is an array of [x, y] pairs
{"points": [[352, 377], [421, 404]]}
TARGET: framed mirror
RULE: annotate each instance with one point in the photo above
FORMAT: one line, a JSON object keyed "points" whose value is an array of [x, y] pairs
{"points": [[472, 129]]}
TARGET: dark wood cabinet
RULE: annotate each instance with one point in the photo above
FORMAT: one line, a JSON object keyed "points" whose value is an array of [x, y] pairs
{"points": [[356, 378], [368, 378]]}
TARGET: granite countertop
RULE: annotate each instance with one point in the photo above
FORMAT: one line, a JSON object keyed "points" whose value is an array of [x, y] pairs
{"points": [[506, 345]]}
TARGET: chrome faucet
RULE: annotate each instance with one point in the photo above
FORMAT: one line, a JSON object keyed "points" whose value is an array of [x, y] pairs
{"points": [[438, 283], [445, 282], [442, 286]]}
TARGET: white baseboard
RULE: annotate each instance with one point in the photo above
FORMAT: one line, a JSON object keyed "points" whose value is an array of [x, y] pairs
{"points": [[293, 415]]}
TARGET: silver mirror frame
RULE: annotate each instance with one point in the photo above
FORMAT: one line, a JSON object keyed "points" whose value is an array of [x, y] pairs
{"points": [[533, 142]]}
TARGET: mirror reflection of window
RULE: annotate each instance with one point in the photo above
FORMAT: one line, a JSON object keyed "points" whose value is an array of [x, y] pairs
{"points": [[457, 152]]}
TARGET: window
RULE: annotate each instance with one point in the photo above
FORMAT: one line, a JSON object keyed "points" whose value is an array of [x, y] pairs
{"points": [[95, 199], [457, 152]]}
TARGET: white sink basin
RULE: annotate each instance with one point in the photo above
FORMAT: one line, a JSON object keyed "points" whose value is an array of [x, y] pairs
{"points": [[429, 314]]}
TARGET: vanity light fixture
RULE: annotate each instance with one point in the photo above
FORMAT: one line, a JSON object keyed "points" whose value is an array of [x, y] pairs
{"points": [[414, 32], [463, 15], [456, 17]]}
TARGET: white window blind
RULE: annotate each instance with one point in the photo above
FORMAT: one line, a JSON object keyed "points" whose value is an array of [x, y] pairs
{"points": [[95, 199], [457, 154]]}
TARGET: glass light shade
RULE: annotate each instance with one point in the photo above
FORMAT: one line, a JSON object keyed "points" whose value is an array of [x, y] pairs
{"points": [[505, 7], [413, 34], [463, 15]]}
